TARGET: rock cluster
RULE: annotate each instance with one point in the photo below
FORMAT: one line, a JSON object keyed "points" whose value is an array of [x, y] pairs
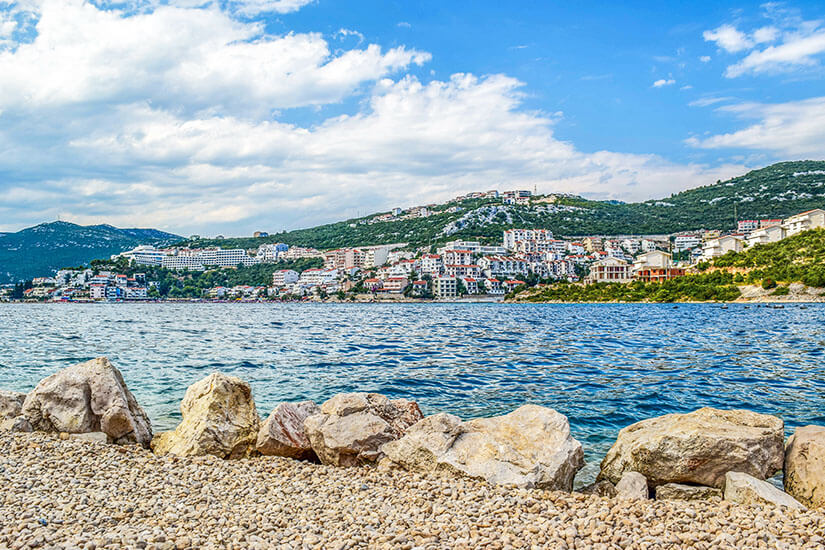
{"points": [[805, 465], [283, 434]]}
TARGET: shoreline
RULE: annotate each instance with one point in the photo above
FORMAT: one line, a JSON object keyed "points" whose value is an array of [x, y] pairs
{"points": [[74, 493]]}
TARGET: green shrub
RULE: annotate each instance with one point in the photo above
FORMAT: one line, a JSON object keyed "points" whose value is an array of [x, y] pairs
{"points": [[768, 283], [781, 291]]}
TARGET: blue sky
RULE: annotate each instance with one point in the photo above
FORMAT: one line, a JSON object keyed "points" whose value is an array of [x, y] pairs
{"points": [[230, 117]]}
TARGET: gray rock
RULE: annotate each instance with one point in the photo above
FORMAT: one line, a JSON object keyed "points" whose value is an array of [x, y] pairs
{"points": [[600, 488], [18, 424], [283, 434], [632, 486], [88, 397], [677, 491], [95, 437], [352, 427], [746, 489], [529, 447], [11, 403], [697, 448], [805, 465]]}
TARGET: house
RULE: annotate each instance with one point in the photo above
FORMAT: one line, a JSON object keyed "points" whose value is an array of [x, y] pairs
{"points": [[655, 266], [458, 257], [471, 270], [511, 284], [373, 285], [445, 286], [812, 219], [686, 242], [765, 235], [610, 270], [503, 266], [493, 286], [418, 288], [654, 258], [746, 226], [395, 284], [284, 277], [470, 284], [431, 264], [718, 247]]}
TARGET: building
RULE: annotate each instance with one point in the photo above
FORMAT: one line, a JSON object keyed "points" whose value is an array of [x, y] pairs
{"points": [[812, 219], [470, 284], [610, 270], [462, 270], [284, 277], [493, 287], [686, 242], [655, 266], [512, 236], [445, 286], [718, 247], [395, 284], [431, 264], [457, 257], [473, 246], [769, 223], [145, 255], [298, 252], [259, 234], [373, 285], [318, 277], [593, 244], [511, 284], [503, 266], [746, 226], [271, 253], [765, 235]]}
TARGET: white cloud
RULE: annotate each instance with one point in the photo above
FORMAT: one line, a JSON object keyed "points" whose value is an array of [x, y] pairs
{"points": [[791, 43], [794, 129], [664, 82], [704, 58], [165, 118]]}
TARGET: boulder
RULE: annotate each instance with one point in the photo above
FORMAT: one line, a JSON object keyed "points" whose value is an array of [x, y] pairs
{"points": [[805, 466], [218, 417], [746, 489], [17, 424], [632, 486], [351, 427], [11, 403], [88, 397], [677, 491], [697, 448], [601, 488], [282, 434], [529, 447]]}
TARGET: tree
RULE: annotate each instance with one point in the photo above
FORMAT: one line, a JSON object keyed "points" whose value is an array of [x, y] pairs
{"points": [[460, 288]]}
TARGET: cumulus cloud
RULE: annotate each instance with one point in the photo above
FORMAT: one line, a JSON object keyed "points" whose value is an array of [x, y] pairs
{"points": [[664, 82], [791, 43], [795, 129], [171, 117]]}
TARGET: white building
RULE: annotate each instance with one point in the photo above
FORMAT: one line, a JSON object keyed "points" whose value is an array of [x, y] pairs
{"points": [[318, 277], [457, 257], [284, 277], [473, 246], [652, 259], [445, 287], [812, 219], [298, 252], [746, 226], [686, 242], [431, 264], [721, 246], [766, 235], [271, 253], [145, 255], [610, 270], [512, 236]]}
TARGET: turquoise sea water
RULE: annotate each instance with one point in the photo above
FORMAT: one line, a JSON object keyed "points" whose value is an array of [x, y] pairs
{"points": [[604, 366]]}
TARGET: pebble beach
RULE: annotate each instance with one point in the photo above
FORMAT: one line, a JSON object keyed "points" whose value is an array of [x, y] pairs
{"points": [[68, 493]]}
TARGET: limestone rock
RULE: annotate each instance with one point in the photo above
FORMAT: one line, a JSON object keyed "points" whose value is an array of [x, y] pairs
{"points": [[351, 427], [746, 489], [95, 437], [282, 434], [676, 491], [218, 418], [697, 448], [601, 488], [529, 447], [17, 424], [11, 402], [88, 397], [805, 466], [632, 486]]}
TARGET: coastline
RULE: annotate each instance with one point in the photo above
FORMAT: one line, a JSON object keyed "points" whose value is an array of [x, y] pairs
{"points": [[81, 494]]}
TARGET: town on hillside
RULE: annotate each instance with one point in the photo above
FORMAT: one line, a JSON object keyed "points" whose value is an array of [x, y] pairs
{"points": [[456, 269]]}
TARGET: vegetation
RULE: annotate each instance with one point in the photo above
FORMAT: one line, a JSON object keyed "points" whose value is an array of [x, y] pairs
{"points": [[800, 258], [714, 286], [777, 191]]}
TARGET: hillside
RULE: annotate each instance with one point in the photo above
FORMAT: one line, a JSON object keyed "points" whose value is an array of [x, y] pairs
{"points": [[776, 191], [42, 249]]}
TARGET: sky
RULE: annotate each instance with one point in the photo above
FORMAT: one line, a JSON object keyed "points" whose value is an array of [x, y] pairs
{"points": [[235, 116]]}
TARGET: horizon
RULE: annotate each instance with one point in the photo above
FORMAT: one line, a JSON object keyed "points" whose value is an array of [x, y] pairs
{"points": [[238, 116]]}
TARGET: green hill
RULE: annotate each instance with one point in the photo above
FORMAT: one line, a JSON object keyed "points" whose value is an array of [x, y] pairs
{"points": [[40, 250], [777, 191]]}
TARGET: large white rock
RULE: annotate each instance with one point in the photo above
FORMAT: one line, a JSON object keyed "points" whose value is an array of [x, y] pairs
{"points": [[11, 403], [529, 447], [697, 448], [351, 427], [632, 486], [88, 397], [745, 489], [283, 434], [218, 418], [805, 466], [676, 491]]}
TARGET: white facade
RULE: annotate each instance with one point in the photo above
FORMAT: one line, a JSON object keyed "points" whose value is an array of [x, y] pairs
{"points": [[721, 246], [766, 235], [686, 242], [431, 264], [811, 219], [512, 236], [445, 287], [284, 277]]}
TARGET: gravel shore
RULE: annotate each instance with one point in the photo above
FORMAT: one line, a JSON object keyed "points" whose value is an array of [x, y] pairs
{"points": [[76, 494]]}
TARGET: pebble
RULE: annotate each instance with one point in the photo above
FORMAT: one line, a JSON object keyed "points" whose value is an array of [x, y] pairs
{"points": [[67, 493]]}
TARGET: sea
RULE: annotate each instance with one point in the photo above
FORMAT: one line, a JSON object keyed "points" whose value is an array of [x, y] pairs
{"points": [[604, 366]]}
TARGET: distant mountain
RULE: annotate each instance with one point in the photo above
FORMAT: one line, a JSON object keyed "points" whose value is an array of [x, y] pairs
{"points": [[776, 191], [43, 249]]}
